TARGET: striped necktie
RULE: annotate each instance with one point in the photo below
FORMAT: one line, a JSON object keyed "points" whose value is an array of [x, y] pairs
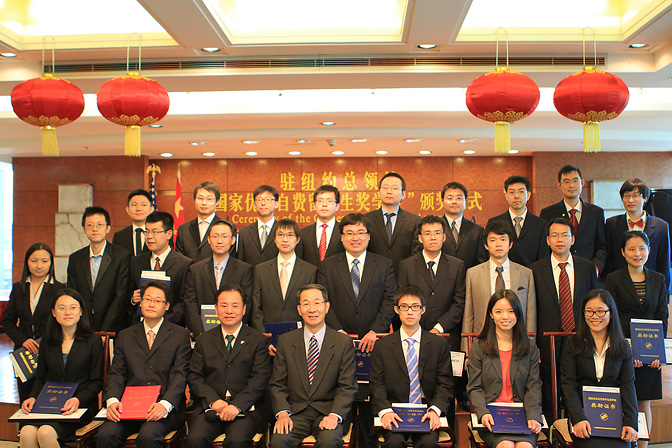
{"points": [[412, 365], [313, 357]]}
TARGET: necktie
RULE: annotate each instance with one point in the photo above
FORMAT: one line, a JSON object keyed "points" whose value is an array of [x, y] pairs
{"points": [[157, 265], [229, 343], [218, 275], [388, 226], [322, 248], [499, 281], [284, 278], [150, 338], [264, 235], [455, 232], [517, 227], [354, 277], [430, 267], [565, 296], [639, 223], [412, 365], [138, 241], [575, 222], [313, 356], [202, 229]]}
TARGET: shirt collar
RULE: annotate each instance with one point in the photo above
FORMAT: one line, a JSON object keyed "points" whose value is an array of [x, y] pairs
{"points": [[578, 208], [235, 333], [292, 260], [329, 224], [156, 328], [138, 227], [513, 215], [457, 221], [269, 224], [604, 349], [555, 262], [644, 218], [51, 280], [416, 336], [162, 257], [505, 265], [222, 263], [349, 258], [427, 259], [396, 211], [208, 219], [91, 255], [319, 335]]}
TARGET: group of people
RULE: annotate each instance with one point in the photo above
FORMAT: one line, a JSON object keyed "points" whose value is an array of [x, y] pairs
{"points": [[361, 275]]}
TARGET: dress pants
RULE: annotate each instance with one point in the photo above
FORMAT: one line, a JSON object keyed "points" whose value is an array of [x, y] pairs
{"points": [[307, 422]]}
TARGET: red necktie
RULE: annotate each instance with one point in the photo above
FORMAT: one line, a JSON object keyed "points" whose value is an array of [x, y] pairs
{"points": [[323, 242], [639, 223], [565, 296], [575, 222]]}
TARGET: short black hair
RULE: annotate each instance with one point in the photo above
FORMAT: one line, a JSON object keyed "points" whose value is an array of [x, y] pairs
{"points": [[317, 286], [163, 286], [208, 186], [263, 188], [352, 219], [393, 174], [517, 179], [498, 227], [134, 193], [562, 221], [627, 236], [432, 219], [286, 223], [327, 189], [90, 211], [224, 222], [231, 287], [165, 218], [568, 169], [410, 290], [453, 186], [636, 184]]}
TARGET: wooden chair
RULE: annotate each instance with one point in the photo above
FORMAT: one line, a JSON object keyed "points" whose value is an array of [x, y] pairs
{"points": [[560, 431], [348, 439], [258, 441]]}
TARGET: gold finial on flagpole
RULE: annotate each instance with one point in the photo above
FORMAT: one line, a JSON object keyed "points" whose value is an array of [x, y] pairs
{"points": [[153, 169]]}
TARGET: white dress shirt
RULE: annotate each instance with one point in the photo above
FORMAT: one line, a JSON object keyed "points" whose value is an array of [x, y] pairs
{"points": [[506, 273]]}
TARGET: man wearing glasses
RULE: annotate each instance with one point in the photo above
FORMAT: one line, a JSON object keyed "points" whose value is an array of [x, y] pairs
{"points": [[321, 240], [192, 236], [159, 231], [256, 242], [100, 273]]}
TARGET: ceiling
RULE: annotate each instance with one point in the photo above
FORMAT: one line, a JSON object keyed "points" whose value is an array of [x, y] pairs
{"points": [[282, 71]]}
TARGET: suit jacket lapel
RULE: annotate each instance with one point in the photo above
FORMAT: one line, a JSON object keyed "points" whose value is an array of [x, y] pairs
{"points": [[449, 232], [515, 276], [632, 291], [43, 305], [296, 275], [159, 338], [344, 272], [299, 355], [210, 274], [104, 263], [170, 261], [398, 353], [378, 222], [326, 353], [86, 265], [333, 241], [239, 343], [220, 344], [424, 353], [193, 231], [423, 270], [272, 274], [271, 235], [398, 226], [141, 339], [367, 275], [483, 282]]}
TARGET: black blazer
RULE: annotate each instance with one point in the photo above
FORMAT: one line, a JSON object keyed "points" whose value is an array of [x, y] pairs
{"points": [[531, 245], [126, 239], [373, 309], [591, 238], [470, 247], [249, 246], [176, 267], [404, 237], [268, 304], [620, 285], [579, 371], [244, 373], [18, 322], [389, 381], [201, 288], [84, 366], [189, 243], [307, 248], [166, 364], [107, 299]]}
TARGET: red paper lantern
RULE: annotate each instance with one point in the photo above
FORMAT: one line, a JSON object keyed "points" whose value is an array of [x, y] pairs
{"points": [[502, 97], [133, 101], [591, 96], [48, 102]]}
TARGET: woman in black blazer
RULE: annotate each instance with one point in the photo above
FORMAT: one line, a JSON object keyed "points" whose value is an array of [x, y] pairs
{"points": [[69, 352], [640, 293], [25, 318], [598, 355], [504, 367]]}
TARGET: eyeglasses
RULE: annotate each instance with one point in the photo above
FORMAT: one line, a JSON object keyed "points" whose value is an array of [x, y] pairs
{"points": [[454, 198], [406, 307], [557, 236], [598, 313], [264, 200], [436, 233], [98, 226], [352, 234], [324, 201], [385, 188], [628, 196], [576, 180], [71, 308], [314, 304], [283, 235], [153, 301], [153, 232]]}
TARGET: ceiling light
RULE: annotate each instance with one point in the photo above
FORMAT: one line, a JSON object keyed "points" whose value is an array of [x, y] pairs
{"points": [[210, 49], [250, 153], [426, 46], [166, 154], [359, 140], [413, 140], [304, 140], [208, 154], [294, 153], [381, 152], [337, 153], [469, 151], [424, 152], [638, 45], [513, 151], [8, 55], [251, 142], [198, 143], [155, 126], [328, 123], [468, 140]]}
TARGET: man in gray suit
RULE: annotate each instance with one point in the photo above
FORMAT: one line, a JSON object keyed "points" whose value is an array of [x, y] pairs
{"points": [[313, 383]]}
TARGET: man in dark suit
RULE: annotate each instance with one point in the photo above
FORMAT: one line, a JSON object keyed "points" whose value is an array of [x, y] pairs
{"points": [[464, 238], [313, 383], [587, 219], [229, 372], [205, 277], [153, 352], [132, 238], [321, 239], [634, 193], [529, 243], [277, 281], [161, 258], [100, 273], [561, 282], [256, 242], [394, 232], [192, 236], [409, 364]]}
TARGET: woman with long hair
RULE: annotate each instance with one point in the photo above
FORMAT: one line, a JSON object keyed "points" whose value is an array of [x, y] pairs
{"points": [[504, 367], [69, 352]]}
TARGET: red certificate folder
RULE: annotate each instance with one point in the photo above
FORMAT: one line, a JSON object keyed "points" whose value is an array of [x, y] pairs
{"points": [[137, 400]]}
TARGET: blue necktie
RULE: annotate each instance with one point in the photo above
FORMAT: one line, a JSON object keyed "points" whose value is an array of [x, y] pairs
{"points": [[354, 276], [412, 365]]}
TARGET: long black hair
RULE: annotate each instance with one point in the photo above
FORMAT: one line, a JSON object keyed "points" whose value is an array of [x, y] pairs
{"points": [[54, 332], [584, 344], [26, 271], [488, 336]]}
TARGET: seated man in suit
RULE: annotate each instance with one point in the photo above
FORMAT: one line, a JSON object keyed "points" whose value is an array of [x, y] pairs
{"points": [[497, 273], [321, 240], [277, 281], [411, 366], [152, 352], [132, 238], [529, 244], [561, 282], [464, 238], [161, 258], [587, 219], [256, 242], [394, 232], [192, 238], [313, 384], [205, 277], [635, 193], [229, 372], [99, 272]]}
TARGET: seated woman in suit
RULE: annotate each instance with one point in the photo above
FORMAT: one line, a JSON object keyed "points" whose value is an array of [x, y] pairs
{"points": [[598, 355], [28, 308], [503, 349], [69, 352], [640, 293]]}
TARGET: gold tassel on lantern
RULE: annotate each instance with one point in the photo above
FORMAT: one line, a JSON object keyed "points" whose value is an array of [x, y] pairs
{"points": [[502, 136], [132, 146], [49, 141], [591, 136]]}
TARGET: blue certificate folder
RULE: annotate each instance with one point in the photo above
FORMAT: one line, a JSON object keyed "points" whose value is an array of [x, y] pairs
{"points": [[209, 317], [509, 418], [648, 340], [411, 414], [362, 363], [602, 407], [53, 396], [278, 328]]}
